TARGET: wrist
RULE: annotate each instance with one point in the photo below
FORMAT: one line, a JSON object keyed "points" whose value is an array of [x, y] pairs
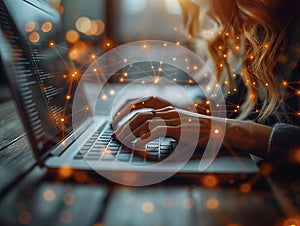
{"points": [[247, 136]]}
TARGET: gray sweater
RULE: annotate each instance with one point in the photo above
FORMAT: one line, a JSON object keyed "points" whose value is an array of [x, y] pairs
{"points": [[284, 142], [284, 145]]}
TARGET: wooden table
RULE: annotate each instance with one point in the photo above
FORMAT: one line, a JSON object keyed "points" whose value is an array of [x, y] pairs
{"points": [[31, 195]]}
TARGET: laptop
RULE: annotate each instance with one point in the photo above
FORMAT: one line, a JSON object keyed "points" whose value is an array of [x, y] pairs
{"points": [[43, 81]]}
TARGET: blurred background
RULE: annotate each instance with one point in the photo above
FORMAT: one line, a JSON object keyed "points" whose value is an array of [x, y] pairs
{"points": [[96, 26]]}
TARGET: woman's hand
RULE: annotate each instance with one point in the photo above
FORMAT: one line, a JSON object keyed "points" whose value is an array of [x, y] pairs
{"points": [[163, 121], [187, 127]]}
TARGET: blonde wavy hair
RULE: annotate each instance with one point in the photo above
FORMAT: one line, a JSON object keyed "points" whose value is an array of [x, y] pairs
{"points": [[253, 32]]}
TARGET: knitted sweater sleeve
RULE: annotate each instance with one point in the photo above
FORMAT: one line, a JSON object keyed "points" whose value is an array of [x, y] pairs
{"points": [[284, 145]]}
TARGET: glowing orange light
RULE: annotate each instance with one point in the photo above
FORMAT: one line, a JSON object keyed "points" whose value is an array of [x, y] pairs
{"points": [[68, 97], [266, 46], [47, 26], [108, 44], [49, 195], [178, 43], [62, 119], [237, 48], [148, 207], [73, 54], [52, 44], [207, 111], [210, 181], [96, 28], [65, 171], [251, 57], [221, 65], [252, 96], [100, 27], [104, 97], [284, 83], [72, 36], [190, 120], [93, 56], [265, 169], [29, 27], [121, 79], [298, 92], [245, 188], [220, 47], [83, 24], [212, 203], [34, 37], [217, 131]]}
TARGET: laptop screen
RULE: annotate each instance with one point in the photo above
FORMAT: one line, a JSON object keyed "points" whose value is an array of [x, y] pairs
{"points": [[34, 55]]}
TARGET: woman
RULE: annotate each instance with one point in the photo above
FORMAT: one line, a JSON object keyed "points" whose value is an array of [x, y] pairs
{"points": [[263, 37]]}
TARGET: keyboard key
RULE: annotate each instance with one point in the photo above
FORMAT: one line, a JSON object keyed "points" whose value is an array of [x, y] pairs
{"points": [[137, 158], [107, 158], [123, 157], [166, 151]]}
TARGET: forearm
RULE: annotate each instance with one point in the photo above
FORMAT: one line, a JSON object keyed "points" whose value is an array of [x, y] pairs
{"points": [[247, 136]]}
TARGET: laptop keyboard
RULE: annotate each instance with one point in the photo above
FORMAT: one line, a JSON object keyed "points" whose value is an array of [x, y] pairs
{"points": [[102, 147]]}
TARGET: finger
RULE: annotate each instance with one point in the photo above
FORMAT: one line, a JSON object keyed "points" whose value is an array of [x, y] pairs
{"points": [[123, 111], [148, 102], [135, 121], [159, 131], [144, 129]]}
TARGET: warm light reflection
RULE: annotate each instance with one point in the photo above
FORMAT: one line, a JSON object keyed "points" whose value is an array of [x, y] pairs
{"points": [[34, 37], [83, 24], [68, 199], [24, 217], [148, 207], [188, 203], [29, 27], [212, 203], [49, 195], [245, 188], [66, 217], [72, 36], [47, 26], [210, 181], [65, 171]]}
